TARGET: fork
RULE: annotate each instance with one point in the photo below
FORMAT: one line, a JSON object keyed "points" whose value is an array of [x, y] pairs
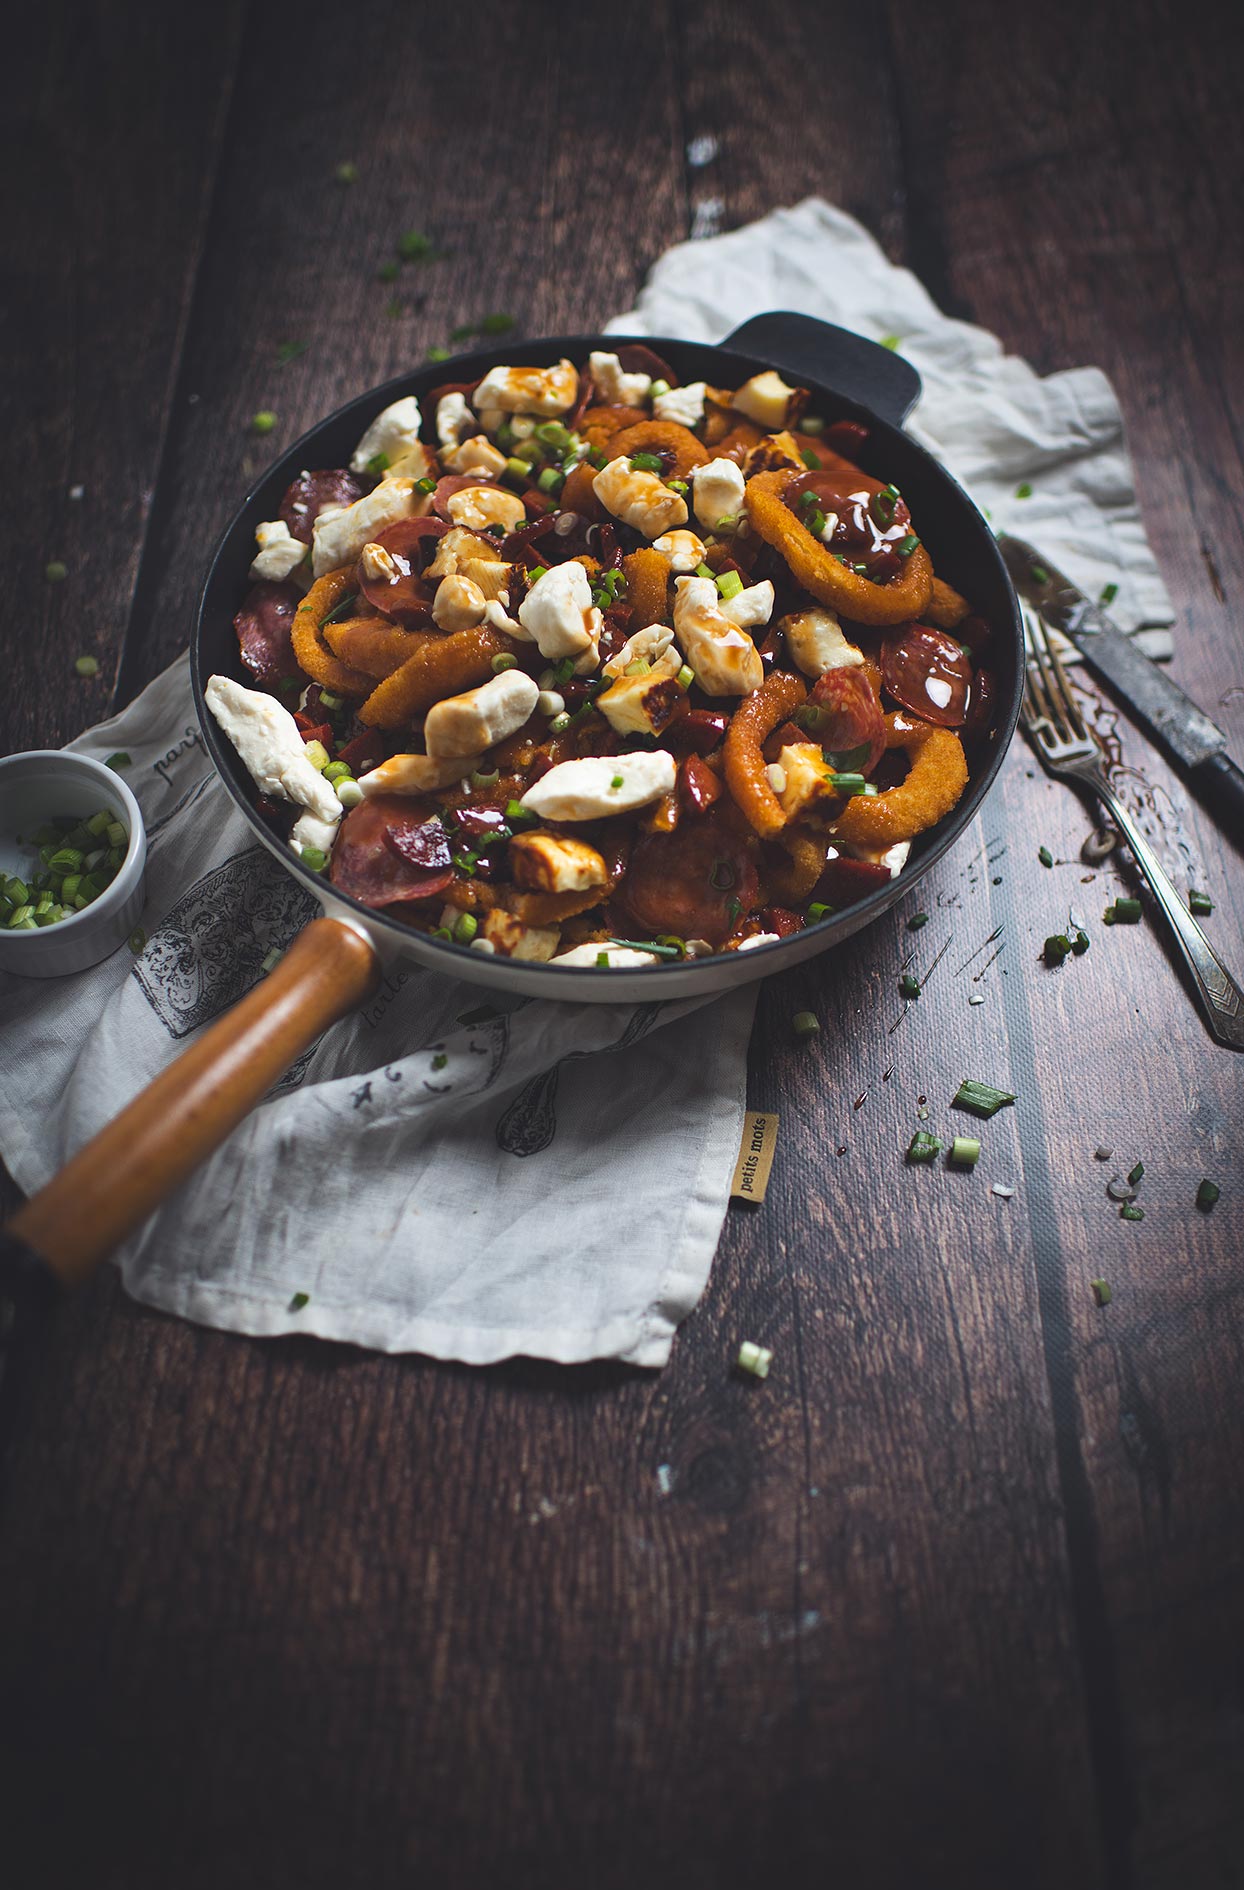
{"points": [[1067, 749]]}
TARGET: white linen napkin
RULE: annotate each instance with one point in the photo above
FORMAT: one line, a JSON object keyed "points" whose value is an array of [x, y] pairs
{"points": [[544, 1179]]}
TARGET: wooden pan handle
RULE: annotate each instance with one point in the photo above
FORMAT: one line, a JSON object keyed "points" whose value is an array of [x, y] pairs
{"points": [[124, 1172]]}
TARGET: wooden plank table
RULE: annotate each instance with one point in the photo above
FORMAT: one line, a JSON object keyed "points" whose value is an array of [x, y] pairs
{"points": [[954, 1596]]}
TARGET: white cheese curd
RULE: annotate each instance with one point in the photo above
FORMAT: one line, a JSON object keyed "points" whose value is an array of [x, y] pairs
{"points": [[458, 605], [418, 774], [338, 537], [619, 957], [646, 645], [279, 554], [510, 938], [725, 660], [584, 790], [641, 499], [752, 605], [495, 614], [829, 528], [757, 938], [465, 724], [310, 831], [683, 549], [764, 399], [618, 389], [816, 643], [683, 405], [378, 563], [716, 491], [894, 857], [453, 418], [456, 549], [558, 614], [271, 749], [642, 705], [546, 862], [480, 506], [475, 455], [393, 433], [546, 391], [549, 703]]}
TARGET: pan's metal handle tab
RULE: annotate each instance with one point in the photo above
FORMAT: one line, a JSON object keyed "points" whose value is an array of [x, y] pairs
{"points": [[29, 1291], [806, 349]]}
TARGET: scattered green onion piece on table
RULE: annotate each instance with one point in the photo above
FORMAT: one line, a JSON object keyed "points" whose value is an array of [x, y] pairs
{"points": [[496, 325], [1101, 1292], [729, 584], [388, 272], [980, 1098], [347, 173], [1206, 1195], [271, 959], [1126, 911], [805, 1024], [1038, 574], [916, 920], [922, 1147], [908, 986], [1024, 491], [1130, 1212], [890, 342], [87, 665], [1045, 856], [1107, 917], [965, 1151], [263, 421], [299, 1300], [1136, 1173], [118, 761], [1108, 593], [437, 354], [1080, 942], [754, 1359], [1200, 904], [414, 246], [1056, 948], [55, 572]]}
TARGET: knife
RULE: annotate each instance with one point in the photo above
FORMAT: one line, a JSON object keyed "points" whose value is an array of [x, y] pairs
{"points": [[1161, 705]]}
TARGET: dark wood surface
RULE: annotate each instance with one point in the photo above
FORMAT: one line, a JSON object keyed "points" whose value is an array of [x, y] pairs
{"points": [[953, 1598]]}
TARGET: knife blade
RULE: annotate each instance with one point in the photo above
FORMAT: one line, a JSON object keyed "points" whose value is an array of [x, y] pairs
{"points": [[1183, 729]]}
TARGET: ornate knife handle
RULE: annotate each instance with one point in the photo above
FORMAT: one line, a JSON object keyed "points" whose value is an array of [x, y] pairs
{"points": [[1220, 997]]}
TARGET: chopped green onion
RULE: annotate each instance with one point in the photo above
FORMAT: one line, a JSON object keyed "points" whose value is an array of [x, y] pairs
{"points": [[421, 485], [811, 460], [812, 424], [117, 836], [553, 433], [344, 609], [906, 546], [754, 1359], [805, 1024], [847, 783], [55, 572], [414, 246], [965, 1151], [1207, 1194], [728, 524], [263, 421], [679, 486], [536, 572], [551, 481], [1126, 911], [685, 677], [118, 761], [514, 810], [466, 925], [668, 942], [1045, 856], [87, 665], [348, 792], [1200, 904], [916, 920], [70, 887], [704, 570], [1130, 1212], [517, 469], [484, 777], [388, 272], [729, 583], [909, 986], [1024, 491], [1101, 1292], [290, 351], [980, 1098], [922, 1147], [315, 858], [66, 860], [890, 342], [558, 724], [347, 173], [617, 781], [271, 959], [137, 939], [1136, 1173], [1108, 593], [646, 462], [22, 919], [658, 388], [337, 771], [299, 1300], [1080, 943], [602, 960], [438, 354], [442, 932], [503, 662], [378, 464], [1056, 948], [817, 911], [640, 667], [496, 325], [317, 755]]}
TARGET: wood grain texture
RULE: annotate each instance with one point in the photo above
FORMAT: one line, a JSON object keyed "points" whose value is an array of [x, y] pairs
{"points": [[951, 1598]]}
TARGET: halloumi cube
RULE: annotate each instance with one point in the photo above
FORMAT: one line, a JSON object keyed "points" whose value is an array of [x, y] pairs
{"points": [[475, 455], [458, 604], [683, 405], [510, 938], [766, 399], [640, 499], [546, 391], [393, 432], [455, 548], [418, 774], [473, 721], [685, 550], [808, 779], [616, 386], [585, 790], [716, 491], [647, 645], [816, 643], [338, 537], [480, 506], [643, 705], [546, 862], [752, 605]]}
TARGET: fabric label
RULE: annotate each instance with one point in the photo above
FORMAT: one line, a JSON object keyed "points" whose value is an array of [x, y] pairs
{"points": [[756, 1151]]}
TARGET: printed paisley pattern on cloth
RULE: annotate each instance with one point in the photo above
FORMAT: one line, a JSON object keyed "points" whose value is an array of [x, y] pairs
{"points": [[528, 1126], [209, 950]]}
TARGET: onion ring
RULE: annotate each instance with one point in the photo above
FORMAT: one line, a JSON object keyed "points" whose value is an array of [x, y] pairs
{"points": [[778, 696], [660, 436], [373, 645], [937, 778], [945, 608], [307, 632], [599, 424], [819, 571], [444, 666], [647, 587], [806, 853]]}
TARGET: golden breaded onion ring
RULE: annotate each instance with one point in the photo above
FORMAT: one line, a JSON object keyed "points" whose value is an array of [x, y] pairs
{"points": [[805, 851], [819, 571], [374, 646], [647, 574], [937, 778], [444, 666], [756, 717], [946, 607], [660, 436], [313, 654]]}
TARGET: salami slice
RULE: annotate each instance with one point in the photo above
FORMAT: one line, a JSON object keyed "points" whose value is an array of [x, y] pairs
{"points": [[850, 724], [263, 629], [694, 882], [368, 865], [306, 498], [927, 672]]}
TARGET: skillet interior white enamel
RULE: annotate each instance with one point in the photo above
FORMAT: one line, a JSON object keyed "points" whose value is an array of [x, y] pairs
{"points": [[851, 379]]}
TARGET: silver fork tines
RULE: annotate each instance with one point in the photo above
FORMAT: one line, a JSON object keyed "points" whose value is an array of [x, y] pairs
{"points": [[1067, 748]]}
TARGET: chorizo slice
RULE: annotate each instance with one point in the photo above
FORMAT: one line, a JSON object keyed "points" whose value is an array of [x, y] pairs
{"points": [[263, 628], [388, 851], [777, 698], [697, 882]]}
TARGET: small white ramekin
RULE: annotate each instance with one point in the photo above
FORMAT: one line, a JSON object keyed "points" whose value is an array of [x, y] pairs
{"points": [[34, 788]]}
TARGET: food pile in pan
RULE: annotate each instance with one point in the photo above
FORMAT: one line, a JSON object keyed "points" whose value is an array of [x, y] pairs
{"points": [[584, 665]]}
